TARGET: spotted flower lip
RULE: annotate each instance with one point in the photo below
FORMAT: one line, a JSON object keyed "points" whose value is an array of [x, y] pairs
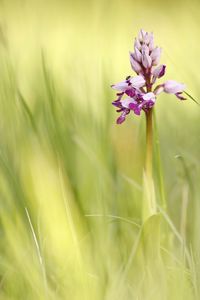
{"points": [[138, 93]]}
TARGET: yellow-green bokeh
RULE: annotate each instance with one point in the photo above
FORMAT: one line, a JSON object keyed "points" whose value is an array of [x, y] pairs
{"points": [[71, 180]]}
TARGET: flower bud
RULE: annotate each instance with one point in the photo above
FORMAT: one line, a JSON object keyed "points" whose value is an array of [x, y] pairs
{"points": [[155, 55], [137, 44], [137, 55], [158, 72], [146, 60], [142, 34], [151, 42], [135, 65]]}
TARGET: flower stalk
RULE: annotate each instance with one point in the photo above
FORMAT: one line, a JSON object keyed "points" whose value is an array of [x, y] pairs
{"points": [[149, 143], [149, 201]]}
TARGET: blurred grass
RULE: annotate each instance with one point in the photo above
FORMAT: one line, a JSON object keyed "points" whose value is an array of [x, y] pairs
{"points": [[71, 180]]}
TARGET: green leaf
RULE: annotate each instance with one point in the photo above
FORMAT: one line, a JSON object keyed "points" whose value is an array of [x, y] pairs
{"points": [[192, 98], [147, 263]]}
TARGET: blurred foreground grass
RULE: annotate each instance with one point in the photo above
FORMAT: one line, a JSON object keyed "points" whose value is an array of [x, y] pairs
{"points": [[70, 179]]}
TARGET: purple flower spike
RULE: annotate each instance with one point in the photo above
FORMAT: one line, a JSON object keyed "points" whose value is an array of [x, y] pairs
{"points": [[139, 89]]}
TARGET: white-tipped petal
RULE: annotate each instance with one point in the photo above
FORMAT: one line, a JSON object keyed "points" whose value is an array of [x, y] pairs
{"points": [[137, 81], [141, 35], [151, 42], [137, 44], [173, 87], [155, 55], [135, 65], [125, 103], [149, 96], [137, 55], [121, 86], [147, 38]]}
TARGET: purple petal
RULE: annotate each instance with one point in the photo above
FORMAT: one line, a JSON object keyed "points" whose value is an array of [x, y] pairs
{"points": [[146, 105], [130, 92], [180, 96], [136, 108], [117, 103], [122, 117]]}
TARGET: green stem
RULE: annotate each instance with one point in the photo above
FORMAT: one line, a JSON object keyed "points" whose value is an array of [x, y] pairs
{"points": [[149, 205], [149, 143]]}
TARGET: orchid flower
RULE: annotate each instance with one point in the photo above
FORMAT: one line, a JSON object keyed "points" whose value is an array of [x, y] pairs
{"points": [[138, 93]]}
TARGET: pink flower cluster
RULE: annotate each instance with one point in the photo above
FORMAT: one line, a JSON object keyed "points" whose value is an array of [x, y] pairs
{"points": [[137, 93]]}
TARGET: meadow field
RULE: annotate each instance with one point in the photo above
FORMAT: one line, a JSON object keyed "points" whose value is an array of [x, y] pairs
{"points": [[71, 179]]}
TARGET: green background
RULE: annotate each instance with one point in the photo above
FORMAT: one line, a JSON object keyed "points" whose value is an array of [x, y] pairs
{"points": [[71, 187]]}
